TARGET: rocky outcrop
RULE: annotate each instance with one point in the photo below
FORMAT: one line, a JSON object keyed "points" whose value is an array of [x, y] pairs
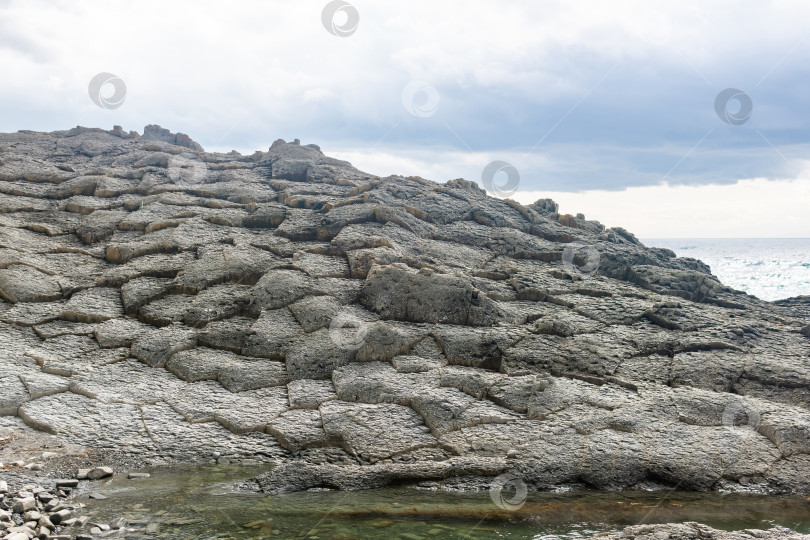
{"points": [[157, 133], [159, 301]]}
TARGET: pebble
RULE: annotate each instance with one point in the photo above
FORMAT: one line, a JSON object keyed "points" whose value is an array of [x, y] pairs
{"points": [[31, 515], [60, 516], [22, 514], [99, 472], [67, 483], [98, 496], [23, 505]]}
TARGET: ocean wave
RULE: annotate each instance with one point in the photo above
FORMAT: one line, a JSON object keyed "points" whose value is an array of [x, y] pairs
{"points": [[770, 269]]}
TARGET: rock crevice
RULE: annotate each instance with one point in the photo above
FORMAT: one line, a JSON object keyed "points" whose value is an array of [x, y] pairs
{"points": [[163, 301]]}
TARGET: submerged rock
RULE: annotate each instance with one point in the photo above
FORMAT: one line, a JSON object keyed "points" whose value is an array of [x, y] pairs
{"points": [[697, 531], [178, 305]]}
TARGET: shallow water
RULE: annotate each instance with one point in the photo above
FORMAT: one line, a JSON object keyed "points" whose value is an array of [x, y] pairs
{"points": [[202, 503]]}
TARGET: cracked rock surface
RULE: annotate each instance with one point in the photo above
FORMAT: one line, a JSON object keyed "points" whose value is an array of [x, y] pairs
{"points": [[158, 300]]}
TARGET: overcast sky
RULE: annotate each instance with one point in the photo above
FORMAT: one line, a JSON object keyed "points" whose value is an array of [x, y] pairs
{"points": [[610, 108]]}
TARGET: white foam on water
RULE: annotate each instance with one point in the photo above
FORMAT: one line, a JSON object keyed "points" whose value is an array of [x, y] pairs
{"points": [[768, 268]]}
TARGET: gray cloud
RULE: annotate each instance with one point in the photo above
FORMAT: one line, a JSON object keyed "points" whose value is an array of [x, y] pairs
{"points": [[580, 96]]}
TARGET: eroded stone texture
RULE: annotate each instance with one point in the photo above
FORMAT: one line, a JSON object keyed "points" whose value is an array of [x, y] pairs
{"points": [[367, 430], [14, 393], [398, 292], [20, 283], [298, 429], [363, 330], [94, 305]]}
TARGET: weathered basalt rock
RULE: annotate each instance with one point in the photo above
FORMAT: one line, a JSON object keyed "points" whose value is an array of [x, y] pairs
{"points": [[157, 133], [358, 330]]}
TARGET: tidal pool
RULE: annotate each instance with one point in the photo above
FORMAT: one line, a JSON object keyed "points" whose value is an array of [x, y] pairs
{"points": [[202, 503]]}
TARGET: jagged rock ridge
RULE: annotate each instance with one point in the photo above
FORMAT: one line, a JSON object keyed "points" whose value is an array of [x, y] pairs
{"points": [[163, 301]]}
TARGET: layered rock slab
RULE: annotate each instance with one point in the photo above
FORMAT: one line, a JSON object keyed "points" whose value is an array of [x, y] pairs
{"points": [[365, 330]]}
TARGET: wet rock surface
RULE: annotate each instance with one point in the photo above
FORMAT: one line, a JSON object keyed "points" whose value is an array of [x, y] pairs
{"points": [[53, 509], [696, 531], [34, 511], [169, 304]]}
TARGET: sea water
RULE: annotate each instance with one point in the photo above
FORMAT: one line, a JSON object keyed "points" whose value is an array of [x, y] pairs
{"points": [[205, 503], [768, 268]]}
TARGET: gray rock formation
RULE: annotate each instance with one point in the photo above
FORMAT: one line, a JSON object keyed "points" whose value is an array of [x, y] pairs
{"points": [[164, 302], [696, 531], [157, 133]]}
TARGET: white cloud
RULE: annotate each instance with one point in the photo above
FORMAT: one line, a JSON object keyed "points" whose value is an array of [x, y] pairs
{"points": [[315, 95], [184, 54], [748, 208], [242, 76], [438, 165], [751, 208]]}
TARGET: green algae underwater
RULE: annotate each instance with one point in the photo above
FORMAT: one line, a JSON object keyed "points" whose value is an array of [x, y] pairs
{"points": [[202, 503]]}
